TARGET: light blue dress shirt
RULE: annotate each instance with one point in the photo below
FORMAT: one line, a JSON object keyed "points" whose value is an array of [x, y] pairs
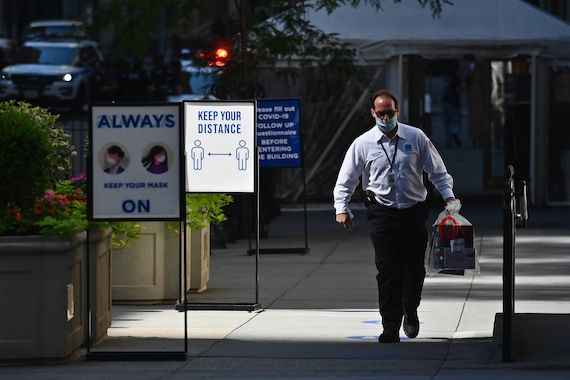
{"points": [[366, 158]]}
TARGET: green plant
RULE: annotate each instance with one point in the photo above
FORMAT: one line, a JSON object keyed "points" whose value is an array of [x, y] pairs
{"points": [[123, 232], [24, 171], [34, 157], [35, 154], [62, 212], [57, 212], [70, 194], [202, 209], [58, 160]]}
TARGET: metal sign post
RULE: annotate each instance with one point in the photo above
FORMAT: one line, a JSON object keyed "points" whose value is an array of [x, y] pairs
{"points": [[135, 173], [515, 214], [222, 157], [280, 146], [508, 262]]}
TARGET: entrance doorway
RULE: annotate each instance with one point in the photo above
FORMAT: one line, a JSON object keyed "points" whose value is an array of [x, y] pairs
{"points": [[477, 113], [558, 188]]}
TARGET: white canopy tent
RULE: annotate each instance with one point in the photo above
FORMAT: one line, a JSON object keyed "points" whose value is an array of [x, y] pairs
{"points": [[484, 28]]}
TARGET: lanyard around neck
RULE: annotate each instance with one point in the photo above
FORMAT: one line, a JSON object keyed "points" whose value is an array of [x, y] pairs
{"points": [[394, 155]]}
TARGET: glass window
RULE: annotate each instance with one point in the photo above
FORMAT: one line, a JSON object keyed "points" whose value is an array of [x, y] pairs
{"points": [[559, 136], [49, 55], [57, 31], [88, 56]]}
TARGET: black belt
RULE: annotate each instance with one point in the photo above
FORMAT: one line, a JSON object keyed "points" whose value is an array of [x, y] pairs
{"points": [[371, 200]]}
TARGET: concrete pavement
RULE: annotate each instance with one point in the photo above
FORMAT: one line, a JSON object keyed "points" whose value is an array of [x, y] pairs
{"points": [[320, 318]]}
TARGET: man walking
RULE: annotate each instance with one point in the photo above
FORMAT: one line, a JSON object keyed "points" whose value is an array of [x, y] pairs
{"points": [[391, 158]]}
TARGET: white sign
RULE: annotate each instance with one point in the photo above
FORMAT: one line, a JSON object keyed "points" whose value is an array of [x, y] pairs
{"points": [[135, 162], [220, 146]]}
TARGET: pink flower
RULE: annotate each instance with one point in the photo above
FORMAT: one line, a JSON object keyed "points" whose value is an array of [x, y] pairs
{"points": [[78, 178], [50, 195]]}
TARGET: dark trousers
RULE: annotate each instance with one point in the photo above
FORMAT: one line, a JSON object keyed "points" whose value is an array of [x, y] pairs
{"points": [[399, 238]]}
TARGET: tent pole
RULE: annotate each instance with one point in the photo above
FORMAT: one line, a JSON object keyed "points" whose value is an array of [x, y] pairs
{"points": [[533, 119], [401, 86]]}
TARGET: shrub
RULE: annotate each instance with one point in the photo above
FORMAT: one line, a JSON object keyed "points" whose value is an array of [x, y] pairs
{"points": [[24, 170], [59, 158]]}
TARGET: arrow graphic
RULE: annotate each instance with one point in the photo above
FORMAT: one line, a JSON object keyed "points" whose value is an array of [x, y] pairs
{"points": [[219, 154]]}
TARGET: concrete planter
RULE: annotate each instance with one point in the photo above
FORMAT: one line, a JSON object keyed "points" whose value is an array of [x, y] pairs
{"points": [[172, 244], [41, 296], [100, 278], [200, 260], [147, 270]]}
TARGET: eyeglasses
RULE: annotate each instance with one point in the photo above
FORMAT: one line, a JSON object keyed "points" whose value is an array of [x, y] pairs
{"points": [[389, 113]]}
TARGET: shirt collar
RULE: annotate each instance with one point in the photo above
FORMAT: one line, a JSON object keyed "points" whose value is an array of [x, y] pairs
{"points": [[382, 137]]}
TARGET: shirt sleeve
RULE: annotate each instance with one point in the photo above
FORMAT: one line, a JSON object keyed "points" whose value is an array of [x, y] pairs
{"points": [[435, 168], [348, 178]]}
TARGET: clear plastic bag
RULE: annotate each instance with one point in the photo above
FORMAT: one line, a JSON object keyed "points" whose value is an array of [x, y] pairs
{"points": [[451, 248]]}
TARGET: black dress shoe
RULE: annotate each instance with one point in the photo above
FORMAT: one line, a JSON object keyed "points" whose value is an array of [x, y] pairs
{"points": [[411, 324], [391, 334]]}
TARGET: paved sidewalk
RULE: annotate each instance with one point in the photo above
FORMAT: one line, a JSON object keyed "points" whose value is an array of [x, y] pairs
{"points": [[320, 318]]}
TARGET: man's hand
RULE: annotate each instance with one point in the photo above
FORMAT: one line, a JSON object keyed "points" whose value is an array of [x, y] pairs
{"points": [[452, 206], [345, 220]]}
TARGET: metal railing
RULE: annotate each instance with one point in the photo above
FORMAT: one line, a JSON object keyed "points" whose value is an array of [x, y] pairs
{"points": [[77, 126]]}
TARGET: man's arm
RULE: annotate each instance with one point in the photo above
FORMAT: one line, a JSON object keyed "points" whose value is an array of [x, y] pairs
{"points": [[435, 168], [348, 178]]}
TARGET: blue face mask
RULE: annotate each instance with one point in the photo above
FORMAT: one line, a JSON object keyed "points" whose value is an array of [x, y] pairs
{"points": [[388, 125]]}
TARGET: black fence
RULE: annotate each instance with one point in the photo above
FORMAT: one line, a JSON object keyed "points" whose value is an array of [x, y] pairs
{"points": [[77, 126]]}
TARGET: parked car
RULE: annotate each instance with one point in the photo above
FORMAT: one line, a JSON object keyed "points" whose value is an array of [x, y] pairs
{"points": [[6, 51], [63, 72], [194, 83], [54, 29], [196, 74]]}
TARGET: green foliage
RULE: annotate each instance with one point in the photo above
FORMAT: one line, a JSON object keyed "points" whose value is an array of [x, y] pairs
{"points": [[34, 157], [62, 212], [436, 6], [59, 212], [271, 31], [24, 170], [279, 31], [123, 232], [58, 160], [68, 223], [134, 21], [202, 209]]}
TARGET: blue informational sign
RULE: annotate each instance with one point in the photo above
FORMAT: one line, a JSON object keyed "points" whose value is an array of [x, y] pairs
{"points": [[279, 133]]}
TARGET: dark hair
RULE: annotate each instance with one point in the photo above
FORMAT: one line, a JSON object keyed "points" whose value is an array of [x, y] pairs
{"points": [[149, 158], [385, 93], [114, 149]]}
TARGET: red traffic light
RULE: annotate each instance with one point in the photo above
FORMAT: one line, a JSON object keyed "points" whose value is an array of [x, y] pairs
{"points": [[221, 53]]}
